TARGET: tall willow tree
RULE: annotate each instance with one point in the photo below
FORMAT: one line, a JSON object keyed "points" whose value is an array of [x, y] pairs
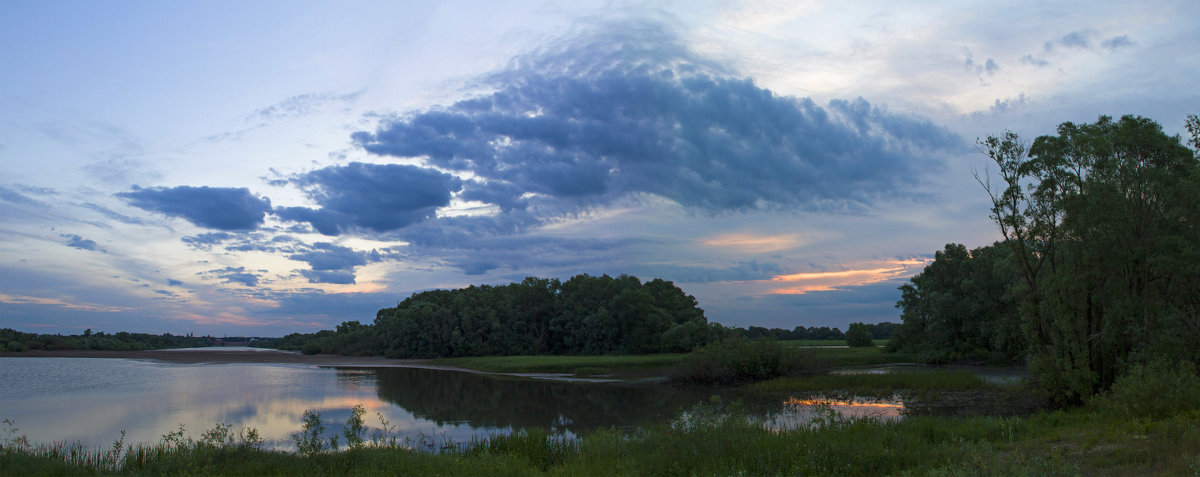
{"points": [[1104, 223]]}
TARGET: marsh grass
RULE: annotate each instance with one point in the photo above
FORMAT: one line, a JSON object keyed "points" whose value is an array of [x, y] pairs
{"points": [[714, 438], [841, 357]]}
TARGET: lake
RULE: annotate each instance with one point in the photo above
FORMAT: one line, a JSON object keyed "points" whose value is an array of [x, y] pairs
{"points": [[91, 400]]}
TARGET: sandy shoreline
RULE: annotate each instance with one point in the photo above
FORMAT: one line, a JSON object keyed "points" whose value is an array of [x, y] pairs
{"points": [[221, 356]]}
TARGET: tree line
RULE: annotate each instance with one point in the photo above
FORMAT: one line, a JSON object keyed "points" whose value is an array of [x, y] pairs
{"points": [[583, 315], [1099, 269], [12, 340], [878, 331]]}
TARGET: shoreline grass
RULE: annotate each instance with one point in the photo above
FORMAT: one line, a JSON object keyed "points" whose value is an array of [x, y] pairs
{"points": [[590, 365], [712, 441]]}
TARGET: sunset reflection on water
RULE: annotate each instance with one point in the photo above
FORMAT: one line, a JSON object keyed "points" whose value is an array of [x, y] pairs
{"points": [[817, 411]]}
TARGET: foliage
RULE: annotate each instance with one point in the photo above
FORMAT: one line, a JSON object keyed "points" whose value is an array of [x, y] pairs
{"points": [[1154, 389], [310, 440], [584, 315], [961, 308], [738, 360], [16, 341], [709, 439], [859, 336], [1103, 222], [879, 331], [618, 364]]}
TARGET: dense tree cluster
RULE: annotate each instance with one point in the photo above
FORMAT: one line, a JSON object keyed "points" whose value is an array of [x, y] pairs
{"points": [[12, 340], [961, 308], [583, 315], [1100, 266]]}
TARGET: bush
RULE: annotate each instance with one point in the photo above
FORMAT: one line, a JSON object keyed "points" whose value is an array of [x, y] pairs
{"points": [[1155, 389], [737, 360], [310, 348], [859, 336]]}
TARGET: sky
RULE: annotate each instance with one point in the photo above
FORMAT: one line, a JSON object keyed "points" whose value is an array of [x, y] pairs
{"points": [[261, 168]]}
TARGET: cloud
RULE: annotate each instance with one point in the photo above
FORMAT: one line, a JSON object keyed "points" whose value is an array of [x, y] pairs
{"points": [[174, 283], [234, 275], [1075, 39], [629, 111], [327, 256], [10, 195], [1117, 42], [989, 67], [125, 219], [221, 208], [1035, 61], [338, 277], [207, 240], [79, 242], [301, 105], [374, 197]]}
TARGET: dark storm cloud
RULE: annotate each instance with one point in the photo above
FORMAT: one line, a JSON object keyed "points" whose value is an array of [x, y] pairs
{"points": [[631, 111], [221, 208], [79, 242], [376, 197], [234, 275]]}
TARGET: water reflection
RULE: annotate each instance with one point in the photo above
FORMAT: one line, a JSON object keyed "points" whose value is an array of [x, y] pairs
{"points": [[93, 400], [508, 403]]}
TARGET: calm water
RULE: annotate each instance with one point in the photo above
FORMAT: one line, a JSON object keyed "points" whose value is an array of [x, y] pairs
{"points": [[93, 400]]}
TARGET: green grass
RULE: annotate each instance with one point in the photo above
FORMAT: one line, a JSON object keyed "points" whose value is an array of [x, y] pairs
{"points": [[713, 441], [879, 384], [632, 366], [619, 365], [842, 357]]}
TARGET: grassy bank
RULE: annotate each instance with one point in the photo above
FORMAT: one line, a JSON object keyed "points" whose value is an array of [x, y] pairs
{"points": [[617, 365], [712, 441], [656, 364], [842, 357]]}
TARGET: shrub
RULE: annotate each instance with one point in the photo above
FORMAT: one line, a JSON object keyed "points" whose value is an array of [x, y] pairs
{"points": [[310, 348], [859, 336], [1156, 389], [737, 360]]}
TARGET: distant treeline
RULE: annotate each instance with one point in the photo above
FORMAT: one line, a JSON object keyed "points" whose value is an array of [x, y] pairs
{"points": [[583, 315], [879, 331], [13, 340]]}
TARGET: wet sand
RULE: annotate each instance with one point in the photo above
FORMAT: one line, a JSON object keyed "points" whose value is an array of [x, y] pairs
{"points": [[222, 355]]}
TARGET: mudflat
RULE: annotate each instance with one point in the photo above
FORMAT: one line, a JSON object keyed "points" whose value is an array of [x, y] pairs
{"points": [[221, 355]]}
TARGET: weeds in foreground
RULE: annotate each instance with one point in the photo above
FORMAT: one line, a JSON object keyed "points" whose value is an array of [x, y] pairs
{"points": [[714, 438]]}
